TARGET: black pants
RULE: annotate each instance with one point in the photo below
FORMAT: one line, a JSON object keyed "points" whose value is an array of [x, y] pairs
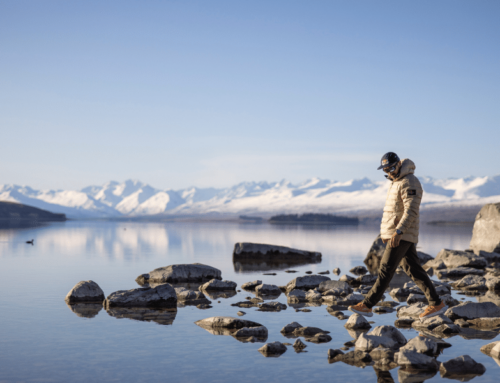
{"points": [[406, 254]]}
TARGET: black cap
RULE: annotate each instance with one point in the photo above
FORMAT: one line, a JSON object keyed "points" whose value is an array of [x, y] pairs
{"points": [[388, 159]]}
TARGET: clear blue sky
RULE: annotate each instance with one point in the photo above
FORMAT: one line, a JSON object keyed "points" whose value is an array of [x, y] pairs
{"points": [[211, 93]]}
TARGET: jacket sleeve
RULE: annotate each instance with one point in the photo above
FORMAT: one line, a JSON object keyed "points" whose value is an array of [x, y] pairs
{"points": [[411, 194]]}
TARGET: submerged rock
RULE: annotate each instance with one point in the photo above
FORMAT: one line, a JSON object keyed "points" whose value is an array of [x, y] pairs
{"points": [[162, 296], [85, 292], [462, 368], [299, 345], [226, 322], [486, 231], [272, 306], [182, 273], [274, 349], [307, 282]]}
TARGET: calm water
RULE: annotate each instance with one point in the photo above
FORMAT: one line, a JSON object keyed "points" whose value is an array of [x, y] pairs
{"points": [[42, 340]]}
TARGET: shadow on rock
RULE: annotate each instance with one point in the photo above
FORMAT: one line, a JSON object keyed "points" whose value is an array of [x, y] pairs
{"points": [[144, 314]]}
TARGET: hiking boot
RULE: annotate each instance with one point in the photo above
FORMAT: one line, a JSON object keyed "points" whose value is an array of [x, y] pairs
{"points": [[432, 311], [361, 309]]}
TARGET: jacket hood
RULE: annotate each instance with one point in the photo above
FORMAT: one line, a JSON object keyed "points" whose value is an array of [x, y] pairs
{"points": [[407, 167]]}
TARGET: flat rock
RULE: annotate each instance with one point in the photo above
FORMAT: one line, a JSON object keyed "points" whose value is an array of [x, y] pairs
{"points": [[272, 252], [265, 289], [162, 296], [471, 282], [272, 306], [462, 368], [182, 273], [454, 258], [357, 322], [273, 349], [190, 297], [410, 359], [319, 338], [459, 272], [485, 323], [85, 292], [218, 285], [473, 310], [422, 345], [306, 282], [486, 231], [431, 323], [251, 285], [226, 322]]}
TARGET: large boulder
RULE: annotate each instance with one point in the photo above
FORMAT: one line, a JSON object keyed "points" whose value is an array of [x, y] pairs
{"points": [[85, 292], [454, 258], [306, 282], [162, 296], [462, 368], [473, 310], [226, 322], [486, 231], [218, 285], [244, 250], [183, 273]]}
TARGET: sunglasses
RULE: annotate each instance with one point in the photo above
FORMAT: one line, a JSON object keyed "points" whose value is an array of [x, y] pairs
{"points": [[390, 169]]}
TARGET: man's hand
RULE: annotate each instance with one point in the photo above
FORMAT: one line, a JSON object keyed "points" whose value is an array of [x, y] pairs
{"points": [[395, 239]]}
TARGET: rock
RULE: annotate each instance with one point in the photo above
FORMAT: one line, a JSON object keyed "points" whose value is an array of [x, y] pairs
{"points": [[391, 332], [381, 353], [431, 323], [244, 250], [190, 297], [290, 271], [336, 271], [474, 333], [414, 376], [272, 306], [354, 358], [216, 294], [144, 314], [367, 343], [493, 283], [357, 322], [462, 368], [268, 273], [412, 311], [415, 360], [162, 296], [383, 310], [366, 279], [85, 310], [454, 258], [324, 272], [265, 289], [458, 272], [307, 282], [372, 260], [336, 308], [319, 338], [218, 285], [85, 292], [183, 273], [251, 285], [486, 231], [358, 270], [471, 282], [296, 295], [309, 272], [400, 292], [404, 322], [489, 256], [447, 329], [486, 349], [246, 304], [226, 323], [416, 298], [313, 295], [257, 332], [290, 328], [335, 286], [462, 323], [304, 310], [299, 345], [473, 310], [350, 300], [387, 304], [241, 313], [484, 323], [203, 306], [423, 257], [346, 278], [333, 353], [495, 351], [273, 349], [422, 345]]}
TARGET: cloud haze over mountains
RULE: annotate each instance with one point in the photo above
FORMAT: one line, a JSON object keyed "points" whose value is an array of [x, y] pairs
{"points": [[355, 197]]}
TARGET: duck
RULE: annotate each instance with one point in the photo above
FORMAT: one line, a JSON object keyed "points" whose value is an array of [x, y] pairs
{"points": [[30, 242]]}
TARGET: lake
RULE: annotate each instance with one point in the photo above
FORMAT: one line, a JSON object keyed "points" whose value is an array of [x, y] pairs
{"points": [[43, 340]]}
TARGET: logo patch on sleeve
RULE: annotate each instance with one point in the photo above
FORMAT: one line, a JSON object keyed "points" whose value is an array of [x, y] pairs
{"points": [[412, 192]]}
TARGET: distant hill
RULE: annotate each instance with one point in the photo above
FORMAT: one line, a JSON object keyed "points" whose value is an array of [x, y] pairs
{"points": [[17, 213]]}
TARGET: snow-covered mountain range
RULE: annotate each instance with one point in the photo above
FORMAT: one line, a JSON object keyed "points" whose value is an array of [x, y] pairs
{"points": [[134, 198]]}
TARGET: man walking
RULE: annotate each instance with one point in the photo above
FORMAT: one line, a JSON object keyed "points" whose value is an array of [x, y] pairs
{"points": [[399, 229]]}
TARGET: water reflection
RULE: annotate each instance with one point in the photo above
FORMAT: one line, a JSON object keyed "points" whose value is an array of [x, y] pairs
{"points": [[251, 266], [85, 310], [160, 316], [229, 332], [414, 376]]}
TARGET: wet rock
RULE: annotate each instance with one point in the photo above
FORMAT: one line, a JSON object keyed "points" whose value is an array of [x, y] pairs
{"points": [[299, 345], [486, 231], [266, 289], [274, 349], [341, 287], [462, 368], [462, 323], [350, 300], [431, 323], [454, 258], [458, 272], [410, 359], [307, 282], [272, 306], [324, 272], [251, 285], [203, 306], [190, 297], [484, 323], [226, 322], [383, 310], [391, 332], [333, 353], [422, 345], [335, 308], [336, 271], [162, 296], [85, 292], [471, 282], [296, 296], [416, 298], [358, 270], [218, 285], [447, 329], [487, 348], [366, 279], [241, 313], [356, 358], [367, 343], [245, 304], [319, 338], [290, 328], [357, 322], [473, 310], [183, 273], [272, 252], [404, 322], [313, 295], [257, 332], [85, 310]]}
